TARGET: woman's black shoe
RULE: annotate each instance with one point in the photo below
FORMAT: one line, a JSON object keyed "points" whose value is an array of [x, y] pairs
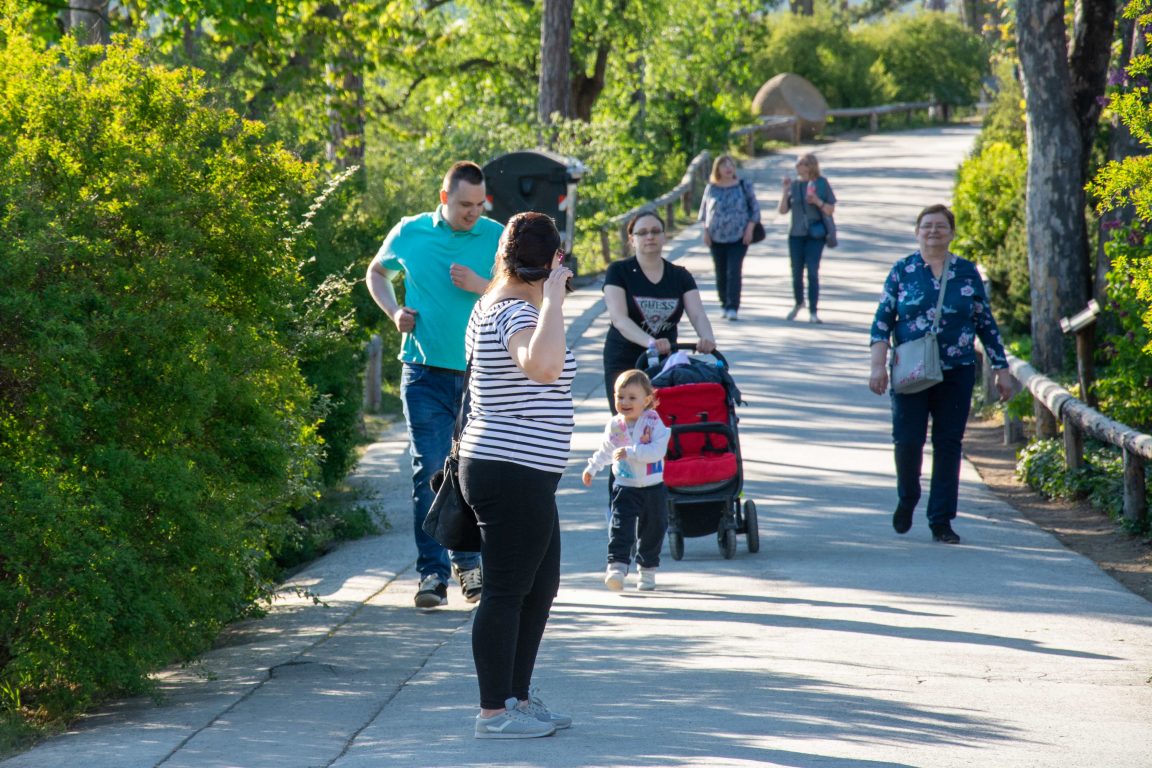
{"points": [[902, 518], [944, 534]]}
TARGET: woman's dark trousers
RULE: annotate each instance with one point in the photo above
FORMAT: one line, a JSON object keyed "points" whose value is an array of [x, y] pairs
{"points": [[728, 259], [805, 253], [520, 529], [947, 404]]}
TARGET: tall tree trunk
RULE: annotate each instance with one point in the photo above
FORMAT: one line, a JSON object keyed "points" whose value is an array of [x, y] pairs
{"points": [[587, 88], [555, 61], [88, 20], [1057, 90]]}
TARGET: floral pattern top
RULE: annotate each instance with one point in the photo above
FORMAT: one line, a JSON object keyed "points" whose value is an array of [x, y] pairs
{"points": [[908, 306]]}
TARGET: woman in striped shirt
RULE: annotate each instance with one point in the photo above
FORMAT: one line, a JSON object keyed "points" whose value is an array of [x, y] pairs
{"points": [[512, 453]]}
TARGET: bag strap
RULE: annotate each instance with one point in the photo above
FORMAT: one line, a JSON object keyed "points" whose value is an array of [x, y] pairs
{"points": [[940, 298], [465, 401]]}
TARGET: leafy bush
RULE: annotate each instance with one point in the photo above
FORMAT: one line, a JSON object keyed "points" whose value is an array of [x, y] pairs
{"points": [[928, 57], [990, 229], [154, 425], [1124, 382], [824, 50], [1100, 480]]}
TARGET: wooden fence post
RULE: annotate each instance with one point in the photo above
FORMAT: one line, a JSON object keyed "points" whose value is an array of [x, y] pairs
{"points": [[1073, 446], [1135, 493], [373, 375]]}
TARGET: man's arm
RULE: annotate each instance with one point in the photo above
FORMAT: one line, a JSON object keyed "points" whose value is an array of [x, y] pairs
{"points": [[379, 281]]}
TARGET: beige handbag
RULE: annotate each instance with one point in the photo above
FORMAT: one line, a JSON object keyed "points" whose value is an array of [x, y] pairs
{"points": [[916, 363]]}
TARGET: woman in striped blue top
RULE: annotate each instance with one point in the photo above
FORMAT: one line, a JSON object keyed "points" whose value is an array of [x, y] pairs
{"points": [[512, 454]]}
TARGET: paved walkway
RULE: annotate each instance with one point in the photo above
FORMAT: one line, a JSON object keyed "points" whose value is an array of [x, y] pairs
{"points": [[839, 644]]}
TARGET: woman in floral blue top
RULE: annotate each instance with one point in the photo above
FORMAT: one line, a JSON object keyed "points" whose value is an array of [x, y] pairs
{"points": [[907, 309]]}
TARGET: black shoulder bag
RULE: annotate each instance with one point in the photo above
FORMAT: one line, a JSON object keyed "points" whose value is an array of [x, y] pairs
{"points": [[450, 520]]}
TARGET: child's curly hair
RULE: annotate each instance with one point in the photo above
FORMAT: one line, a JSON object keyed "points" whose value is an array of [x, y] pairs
{"points": [[637, 378]]}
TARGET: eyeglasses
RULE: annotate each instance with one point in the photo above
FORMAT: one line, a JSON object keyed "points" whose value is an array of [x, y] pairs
{"points": [[934, 227], [642, 233]]}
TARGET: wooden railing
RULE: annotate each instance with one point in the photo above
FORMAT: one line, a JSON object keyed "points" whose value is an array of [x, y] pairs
{"points": [[683, 195], [874, 113], [750, 134], [767, 124], [1080, 420]]}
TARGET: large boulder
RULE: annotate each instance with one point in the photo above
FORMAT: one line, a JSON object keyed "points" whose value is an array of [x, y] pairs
{"points": [[792, 95]]}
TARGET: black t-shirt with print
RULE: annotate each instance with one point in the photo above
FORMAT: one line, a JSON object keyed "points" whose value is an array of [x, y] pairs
{"points": [[655, 307]]}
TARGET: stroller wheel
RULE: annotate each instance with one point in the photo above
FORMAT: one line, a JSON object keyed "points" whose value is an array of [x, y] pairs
{"points": [[727, 538], [751, 527], [676, 545]]}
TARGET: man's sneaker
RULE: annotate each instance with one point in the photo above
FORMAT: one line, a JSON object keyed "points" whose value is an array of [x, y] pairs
{"points": [[538, 710], [471, 582], [614, 576], [647, 581], [512, 724], [433, 592], [795, 311]]}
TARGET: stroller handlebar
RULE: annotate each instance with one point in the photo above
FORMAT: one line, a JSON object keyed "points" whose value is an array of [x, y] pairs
{"points": [[643, 364]]}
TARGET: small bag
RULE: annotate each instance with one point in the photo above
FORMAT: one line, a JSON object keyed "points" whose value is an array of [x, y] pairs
{"points": [[916, 363], [450, 520], [829, 230], [817, 230], [758, 232]]}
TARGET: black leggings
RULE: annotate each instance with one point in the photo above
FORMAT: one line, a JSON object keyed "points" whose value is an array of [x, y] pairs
{"points": [[520, 528]]}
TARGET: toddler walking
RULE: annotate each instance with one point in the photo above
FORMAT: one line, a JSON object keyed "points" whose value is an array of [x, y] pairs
{"points": [[635, 441]]}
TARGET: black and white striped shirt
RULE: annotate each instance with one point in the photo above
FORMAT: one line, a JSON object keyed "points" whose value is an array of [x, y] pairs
{"points": [[511, 417]]}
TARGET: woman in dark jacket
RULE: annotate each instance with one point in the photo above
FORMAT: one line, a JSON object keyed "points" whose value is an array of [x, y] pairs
{"points": [[809, 198]]}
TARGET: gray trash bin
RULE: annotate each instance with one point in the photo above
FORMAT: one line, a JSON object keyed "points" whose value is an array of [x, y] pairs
{"points": [[535, 180]]}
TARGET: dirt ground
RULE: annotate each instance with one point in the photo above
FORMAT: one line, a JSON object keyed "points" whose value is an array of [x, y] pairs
{"points": [[1126, 558]]}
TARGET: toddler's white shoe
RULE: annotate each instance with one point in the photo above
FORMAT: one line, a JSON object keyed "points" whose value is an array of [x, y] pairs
{"points": [[614, 576], [647, 581]]}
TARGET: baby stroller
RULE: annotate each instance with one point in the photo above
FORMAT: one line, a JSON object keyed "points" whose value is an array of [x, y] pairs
{"points": [[702, 469]]}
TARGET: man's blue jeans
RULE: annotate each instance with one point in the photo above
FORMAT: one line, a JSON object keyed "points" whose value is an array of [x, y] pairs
{"points": [[804, 253], [431, 399], [948, 404]]}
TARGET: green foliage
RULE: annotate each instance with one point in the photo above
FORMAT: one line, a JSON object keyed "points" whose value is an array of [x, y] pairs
{"points": [[824, 50], [990, 228], [155, 427], [1124, 382], [1005, 121], [1100, 480], [929, 57]]}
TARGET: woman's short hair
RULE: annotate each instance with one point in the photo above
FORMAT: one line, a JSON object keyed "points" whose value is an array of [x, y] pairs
{"points": [[938, 208], [812, 163], [636, 378], [528, 247], [642, 215], [715, 177], [462, 171]]}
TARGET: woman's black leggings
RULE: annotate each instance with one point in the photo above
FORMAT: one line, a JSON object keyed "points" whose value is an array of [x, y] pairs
{"points": [[520, 528]]}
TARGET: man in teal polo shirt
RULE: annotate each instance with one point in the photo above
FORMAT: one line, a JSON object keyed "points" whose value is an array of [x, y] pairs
{"points": [[446, 257]]}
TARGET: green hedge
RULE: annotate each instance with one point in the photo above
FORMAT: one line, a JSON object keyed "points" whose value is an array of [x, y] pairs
{"points": [[155, 426]]}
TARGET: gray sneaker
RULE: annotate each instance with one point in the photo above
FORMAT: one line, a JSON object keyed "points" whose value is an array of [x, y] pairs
{"points": [[471, 582], [432, 593], [512, 724], [540, 711]]}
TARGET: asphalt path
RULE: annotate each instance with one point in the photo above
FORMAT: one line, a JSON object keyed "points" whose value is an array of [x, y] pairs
{"points": [[838, 644]]}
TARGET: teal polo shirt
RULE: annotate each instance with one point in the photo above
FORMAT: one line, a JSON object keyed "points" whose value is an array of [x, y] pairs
{"points": [[424, 247]]}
